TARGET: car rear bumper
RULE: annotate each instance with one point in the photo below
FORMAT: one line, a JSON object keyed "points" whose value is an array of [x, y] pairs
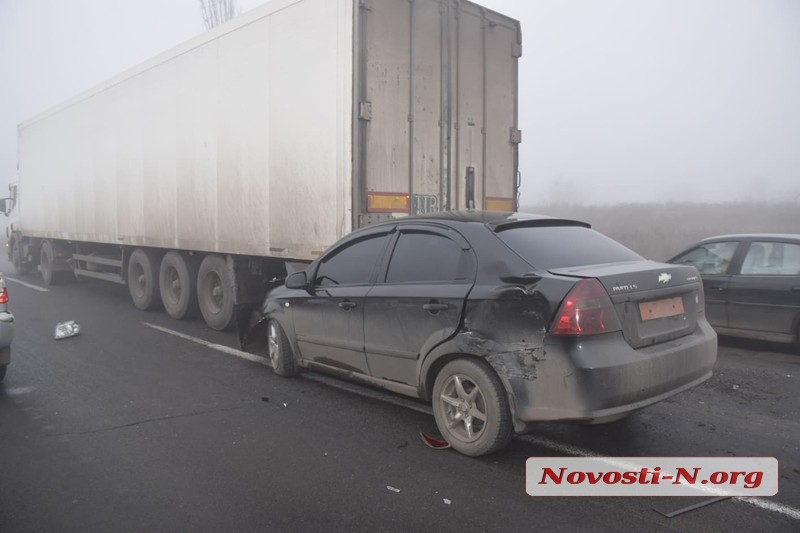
{"points": [[602, 377], [6, 336]]}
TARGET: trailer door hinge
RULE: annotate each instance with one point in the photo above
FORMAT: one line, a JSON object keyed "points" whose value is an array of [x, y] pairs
{"points": [[516, 50], [365, 110], [516, 136]]}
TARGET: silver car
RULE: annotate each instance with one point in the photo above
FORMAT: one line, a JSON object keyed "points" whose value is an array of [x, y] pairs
{"points": [[6, 329]]}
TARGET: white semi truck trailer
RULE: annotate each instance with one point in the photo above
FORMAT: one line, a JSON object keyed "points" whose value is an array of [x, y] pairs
{"points": [[195, 176]]}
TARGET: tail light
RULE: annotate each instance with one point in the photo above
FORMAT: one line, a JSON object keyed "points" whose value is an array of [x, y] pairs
{"points": [[4, 296], [587, 310]]}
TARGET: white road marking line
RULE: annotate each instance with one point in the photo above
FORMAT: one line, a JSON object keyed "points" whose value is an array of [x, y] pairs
{"points": [[219, 347], [29, 285], [568, 449], [18, 391]]}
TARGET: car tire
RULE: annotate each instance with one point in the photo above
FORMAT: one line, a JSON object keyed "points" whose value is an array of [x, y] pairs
{"points": [[143, 279], [215, 288], [280, 351], [471, 407], [177, 281]]}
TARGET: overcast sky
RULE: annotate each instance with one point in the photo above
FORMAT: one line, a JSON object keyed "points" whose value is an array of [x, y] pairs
{"points": [[620, 100]]}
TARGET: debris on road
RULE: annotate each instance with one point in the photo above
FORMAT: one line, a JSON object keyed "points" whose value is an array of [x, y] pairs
{"points": [[692, 507], [446, 501], [389, 487], [433, 442], [65, 330]]}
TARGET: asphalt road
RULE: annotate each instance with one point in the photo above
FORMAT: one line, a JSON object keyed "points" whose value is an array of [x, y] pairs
{"points": [[132, 428]]}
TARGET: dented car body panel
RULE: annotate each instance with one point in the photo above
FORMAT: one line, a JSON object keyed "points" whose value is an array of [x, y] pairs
{"points": [[421, 292]]}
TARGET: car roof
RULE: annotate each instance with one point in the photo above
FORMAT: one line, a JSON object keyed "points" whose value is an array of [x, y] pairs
{"points": [[782, 236], [493, 219]]}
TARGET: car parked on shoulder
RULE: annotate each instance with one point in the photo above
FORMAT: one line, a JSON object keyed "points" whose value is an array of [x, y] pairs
{"points": [[752, 284], [6, 329], [500, 320]]}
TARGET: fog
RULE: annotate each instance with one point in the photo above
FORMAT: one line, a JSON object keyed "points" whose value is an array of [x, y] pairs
{"points": [[620, 101]]}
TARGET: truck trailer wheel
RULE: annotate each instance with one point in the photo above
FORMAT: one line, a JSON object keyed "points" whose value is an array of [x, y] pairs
{"points": [[215, 289], [177, 280], [143, 279], [46, 257]]}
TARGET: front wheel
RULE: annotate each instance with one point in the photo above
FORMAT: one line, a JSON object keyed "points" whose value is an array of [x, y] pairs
{"points": [[471, 408], [280, 351], [20, 268]]}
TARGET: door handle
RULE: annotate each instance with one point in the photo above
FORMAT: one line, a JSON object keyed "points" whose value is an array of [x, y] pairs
{"points": [[435, 307], [347, 305]]}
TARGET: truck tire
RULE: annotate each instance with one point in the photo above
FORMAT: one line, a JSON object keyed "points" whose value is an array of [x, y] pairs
{"points": [[20, 268], [215, 288], [143, 279], [46, 258], [177, 281]]}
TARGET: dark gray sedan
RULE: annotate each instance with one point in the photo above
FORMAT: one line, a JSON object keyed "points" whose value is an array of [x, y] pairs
{"points": [[501, 320], [752, 284]]}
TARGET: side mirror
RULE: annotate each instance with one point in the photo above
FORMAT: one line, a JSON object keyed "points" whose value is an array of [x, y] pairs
{"points": [[297, 280]]}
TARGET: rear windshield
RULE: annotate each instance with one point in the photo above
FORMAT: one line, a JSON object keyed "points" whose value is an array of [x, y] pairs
{"points": [[565, 246]]}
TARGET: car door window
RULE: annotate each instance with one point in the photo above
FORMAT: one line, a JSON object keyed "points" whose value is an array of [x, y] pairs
{"points": [[710, 258], [421, 257], [352, 264], [772, 259]]}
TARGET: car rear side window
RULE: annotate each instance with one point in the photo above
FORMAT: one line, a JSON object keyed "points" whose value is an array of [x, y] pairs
{"points": [[565, 246], [709, 258], [352, 264], [428, 257], [772, 259]]}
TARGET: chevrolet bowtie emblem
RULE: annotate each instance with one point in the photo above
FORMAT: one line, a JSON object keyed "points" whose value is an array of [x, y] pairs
{"points": [[664, 277]]}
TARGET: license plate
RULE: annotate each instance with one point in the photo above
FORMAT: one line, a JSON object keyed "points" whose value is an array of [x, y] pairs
{"points": [[661, 308]]}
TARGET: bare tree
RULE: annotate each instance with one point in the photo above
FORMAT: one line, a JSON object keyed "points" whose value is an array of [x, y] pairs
{"points": [[216, 12]]}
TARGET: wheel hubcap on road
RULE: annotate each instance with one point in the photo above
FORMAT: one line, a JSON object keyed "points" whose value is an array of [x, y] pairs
{"points": [[464, 408]]}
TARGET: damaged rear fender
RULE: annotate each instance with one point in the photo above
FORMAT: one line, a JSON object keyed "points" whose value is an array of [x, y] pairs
{"points": [[515, 363]]}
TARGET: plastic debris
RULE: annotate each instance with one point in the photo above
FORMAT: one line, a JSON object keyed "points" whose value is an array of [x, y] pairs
{"points": [[735, 387], [446, 501], [433, 442], [285, 404], [389, 487], [64, 330]]}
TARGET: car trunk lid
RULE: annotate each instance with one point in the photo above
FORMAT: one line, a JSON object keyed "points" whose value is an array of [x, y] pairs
{"points": [[655, 302]]}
